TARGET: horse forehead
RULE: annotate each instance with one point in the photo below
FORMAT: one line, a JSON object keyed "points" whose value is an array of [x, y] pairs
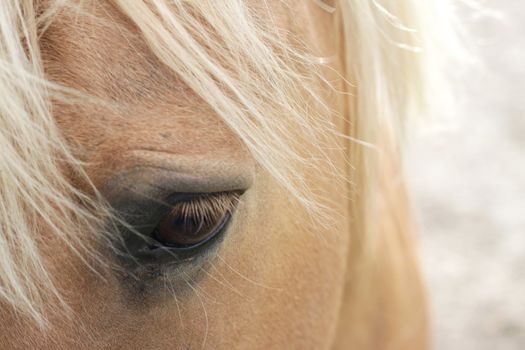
{"points": [[97, 50], [92, 46]]}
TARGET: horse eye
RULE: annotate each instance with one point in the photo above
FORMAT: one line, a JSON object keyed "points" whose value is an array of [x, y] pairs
{"points": [[193, 222]]}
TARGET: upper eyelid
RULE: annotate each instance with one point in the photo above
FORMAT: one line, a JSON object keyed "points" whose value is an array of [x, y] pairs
{"points": [[158, 183], [209, 204], [145, 185]]}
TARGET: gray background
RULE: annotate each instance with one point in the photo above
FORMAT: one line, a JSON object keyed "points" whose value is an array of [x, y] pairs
{"points": [[468, 182]]}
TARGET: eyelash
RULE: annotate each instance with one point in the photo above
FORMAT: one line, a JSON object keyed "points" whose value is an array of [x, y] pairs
{"points": [[205, 207], [193, 220]]}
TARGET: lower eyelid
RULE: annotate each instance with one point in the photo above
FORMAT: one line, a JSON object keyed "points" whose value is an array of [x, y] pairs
{"points": [[148, 276]]}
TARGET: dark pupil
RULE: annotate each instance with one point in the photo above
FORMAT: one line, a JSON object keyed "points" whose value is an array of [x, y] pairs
{"points": [[179, 231]]}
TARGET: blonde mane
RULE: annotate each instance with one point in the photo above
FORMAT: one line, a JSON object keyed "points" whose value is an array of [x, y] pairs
{"points": [[261, 82]]}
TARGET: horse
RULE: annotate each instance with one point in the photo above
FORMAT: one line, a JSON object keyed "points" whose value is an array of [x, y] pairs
{"points": [[180, 174]]}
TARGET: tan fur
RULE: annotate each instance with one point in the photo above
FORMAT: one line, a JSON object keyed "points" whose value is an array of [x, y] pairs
{"points": [[384, 304]]}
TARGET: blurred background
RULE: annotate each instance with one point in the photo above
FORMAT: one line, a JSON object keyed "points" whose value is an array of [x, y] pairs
{"points": [[468, 180]]}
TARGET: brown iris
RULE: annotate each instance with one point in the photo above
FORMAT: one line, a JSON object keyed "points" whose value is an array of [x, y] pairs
{"points": [[195, 221]]}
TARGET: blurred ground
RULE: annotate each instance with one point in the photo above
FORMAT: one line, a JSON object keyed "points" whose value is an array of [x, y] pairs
{"points": [[469, 187]]}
